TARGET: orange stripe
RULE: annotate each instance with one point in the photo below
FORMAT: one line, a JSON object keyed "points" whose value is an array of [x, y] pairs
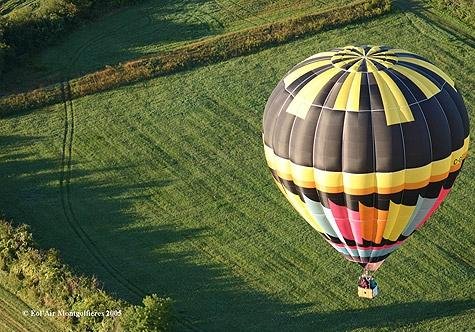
{"points": [[381, 225], [369, 225]]}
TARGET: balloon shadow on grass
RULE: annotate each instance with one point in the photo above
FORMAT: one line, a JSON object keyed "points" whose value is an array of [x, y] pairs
{"points": [[138, 260]]}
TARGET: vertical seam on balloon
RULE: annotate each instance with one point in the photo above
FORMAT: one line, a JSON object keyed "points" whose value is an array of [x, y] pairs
{"points": [[345, 203], [336, 230], [274, 134], [375, 194], [404, 177], [404, 180], [450, 136], [430, 141], [291, 169], [314, 167], [280, 111], [299, 189]]}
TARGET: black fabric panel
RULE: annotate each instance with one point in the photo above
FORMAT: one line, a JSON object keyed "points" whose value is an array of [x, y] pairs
{"points": [[409, 55], [439, 131], [379, 66], [365, 102], [363, 66], [302, 138], [417, 141], [375, 99], [303, 80], [328, 140], [388, 144], [282, 130], [290, 186], [322, 95], [306, 62], [269, 110], [457, 99], [411, 91], [353, 201], [279, 101], [409, 197], [357, 152], [429, 74], [433, 190], [449, 182], [331, 96], [457, 130], [349, 64], [338, 199], [311, 193], [405, 89]]}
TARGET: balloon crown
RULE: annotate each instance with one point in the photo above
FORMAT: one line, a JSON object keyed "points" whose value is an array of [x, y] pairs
{"points": [[364, 79], [364, 58]]}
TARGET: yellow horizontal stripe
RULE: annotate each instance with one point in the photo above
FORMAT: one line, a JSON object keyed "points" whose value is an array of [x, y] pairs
{"points": [[360, 184]]}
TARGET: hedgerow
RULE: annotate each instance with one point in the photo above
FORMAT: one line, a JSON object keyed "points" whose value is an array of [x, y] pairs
{"points": [[206, 51], [41, 280]]}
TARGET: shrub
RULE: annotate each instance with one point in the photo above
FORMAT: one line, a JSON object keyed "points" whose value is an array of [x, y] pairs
{"points": [[153, 316]]}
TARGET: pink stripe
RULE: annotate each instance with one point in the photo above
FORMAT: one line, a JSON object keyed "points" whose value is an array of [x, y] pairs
{"points": [[341, 218], [355, 222], [443, 194]]}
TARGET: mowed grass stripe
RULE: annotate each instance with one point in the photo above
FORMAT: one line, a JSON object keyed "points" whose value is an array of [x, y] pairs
{"points": [[169, 179]]}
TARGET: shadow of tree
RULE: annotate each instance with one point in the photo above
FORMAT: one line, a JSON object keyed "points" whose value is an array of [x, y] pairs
{"points": [[206, 295]]}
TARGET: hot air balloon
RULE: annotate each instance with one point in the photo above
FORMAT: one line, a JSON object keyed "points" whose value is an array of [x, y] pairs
{"points": [[365, 143]]}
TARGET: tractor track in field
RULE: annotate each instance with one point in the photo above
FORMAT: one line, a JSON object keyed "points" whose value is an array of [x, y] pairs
{"points": [[427, 14], [68, 210], [65, 193]]}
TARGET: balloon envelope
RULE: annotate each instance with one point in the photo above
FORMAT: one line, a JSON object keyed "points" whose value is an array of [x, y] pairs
{"points": [[365, 143]]}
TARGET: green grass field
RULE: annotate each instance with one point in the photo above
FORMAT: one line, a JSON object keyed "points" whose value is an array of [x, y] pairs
{"points": [[13, 319], [162, 187], [150, 27]]}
